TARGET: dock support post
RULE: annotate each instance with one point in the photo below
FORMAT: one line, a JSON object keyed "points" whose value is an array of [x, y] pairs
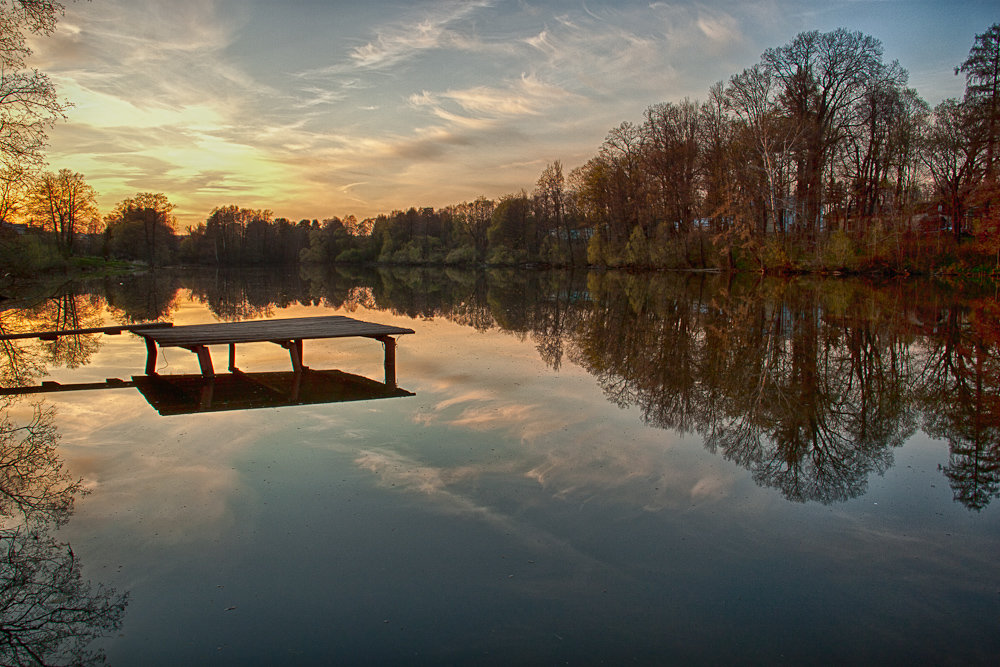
{"points": [[390, 360], [232, 357], [204, 360], [150, 357], [294, 348]]}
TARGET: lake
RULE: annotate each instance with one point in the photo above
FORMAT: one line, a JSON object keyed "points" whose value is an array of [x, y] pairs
{"points": [[592, 468]]}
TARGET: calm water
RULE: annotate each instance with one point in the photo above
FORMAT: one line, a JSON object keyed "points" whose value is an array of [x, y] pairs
{"points": [[598, 468]]}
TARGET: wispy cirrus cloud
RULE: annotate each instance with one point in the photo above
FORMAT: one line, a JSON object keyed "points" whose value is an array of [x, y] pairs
{"points": [[442, 25], [399, 42], [526, 96], [150, 54]]}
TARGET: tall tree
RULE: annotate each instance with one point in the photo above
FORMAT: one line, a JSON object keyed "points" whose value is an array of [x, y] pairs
{"points": [[145, 221], [64, 204], [823, 75], [951, 154], [982, 92], [672, 158], [474, 218], [752, 96], [549, 194], [28, 101]]}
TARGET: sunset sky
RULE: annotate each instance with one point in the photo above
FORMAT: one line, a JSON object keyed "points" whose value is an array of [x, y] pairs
{"points": [[317, 108]]}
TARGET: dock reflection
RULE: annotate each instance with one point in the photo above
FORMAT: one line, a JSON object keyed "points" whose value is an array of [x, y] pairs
{"points": [[187, 394]]}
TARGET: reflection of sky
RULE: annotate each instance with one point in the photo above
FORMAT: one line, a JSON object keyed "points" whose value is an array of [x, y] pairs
{"points": [[512, 504]]}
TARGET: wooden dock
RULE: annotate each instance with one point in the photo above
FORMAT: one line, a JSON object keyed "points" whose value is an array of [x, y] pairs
{"points": [[289, 333], [109, 331]]}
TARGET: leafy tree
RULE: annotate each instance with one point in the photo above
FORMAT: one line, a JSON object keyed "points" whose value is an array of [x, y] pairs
{"points": [[64, 204], [473, 219], [141, 227], [512, 234], [327, 243]]}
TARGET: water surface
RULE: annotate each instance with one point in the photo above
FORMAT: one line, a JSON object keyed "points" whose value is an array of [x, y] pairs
{"points": [[592, 468]]}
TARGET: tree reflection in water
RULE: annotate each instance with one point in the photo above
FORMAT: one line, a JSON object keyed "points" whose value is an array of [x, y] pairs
{"points": [[808, 384], [959, 392], [49, 615], [23, 361]]}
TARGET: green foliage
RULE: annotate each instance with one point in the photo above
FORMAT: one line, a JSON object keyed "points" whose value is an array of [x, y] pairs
{"points": [[838, 252], [463, 255], [513, 229], [773, 257], [554, 253], [351, 256], [24, 256], [135, 240], [637, 249], [504, 256], [596, 255]]}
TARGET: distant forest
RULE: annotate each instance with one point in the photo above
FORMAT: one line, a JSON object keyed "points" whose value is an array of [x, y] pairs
{"points": [[817, 158]]}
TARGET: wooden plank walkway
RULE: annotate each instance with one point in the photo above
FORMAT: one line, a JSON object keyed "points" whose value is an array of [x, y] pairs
{"points": [[289, 333], [50, 386], [110, 331]]}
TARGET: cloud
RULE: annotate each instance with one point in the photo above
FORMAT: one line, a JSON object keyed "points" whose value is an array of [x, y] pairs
{"points": [[446, 100], [431, 144], [432, 102], [527, 95], [150, 54], [403, 41]]}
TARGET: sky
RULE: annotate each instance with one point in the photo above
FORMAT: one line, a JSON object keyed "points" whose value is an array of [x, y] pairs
{"points": [[322, 108]]}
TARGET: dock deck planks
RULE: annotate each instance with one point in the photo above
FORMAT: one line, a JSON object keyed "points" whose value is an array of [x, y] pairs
{"points": [[289, 333], [256, 331]]}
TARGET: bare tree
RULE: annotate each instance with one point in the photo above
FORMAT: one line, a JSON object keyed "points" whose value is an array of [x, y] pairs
{"points": [[671, 152], [49, 614], [753, 97], [28, 101], [822, 76], [550, 201], [951, 153], [982, 92]]}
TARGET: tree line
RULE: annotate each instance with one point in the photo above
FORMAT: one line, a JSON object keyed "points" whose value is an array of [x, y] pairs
{"points": [[820, 156]]}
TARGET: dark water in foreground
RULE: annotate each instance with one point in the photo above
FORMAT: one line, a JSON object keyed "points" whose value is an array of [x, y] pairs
{"points": [[592, 469]]}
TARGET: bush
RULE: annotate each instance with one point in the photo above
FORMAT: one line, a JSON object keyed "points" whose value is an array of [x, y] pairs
{"points": [[838, 252], [462, 255], [350, 256], [773, 256], [637, 250], [24, 256], [504, 256]]}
